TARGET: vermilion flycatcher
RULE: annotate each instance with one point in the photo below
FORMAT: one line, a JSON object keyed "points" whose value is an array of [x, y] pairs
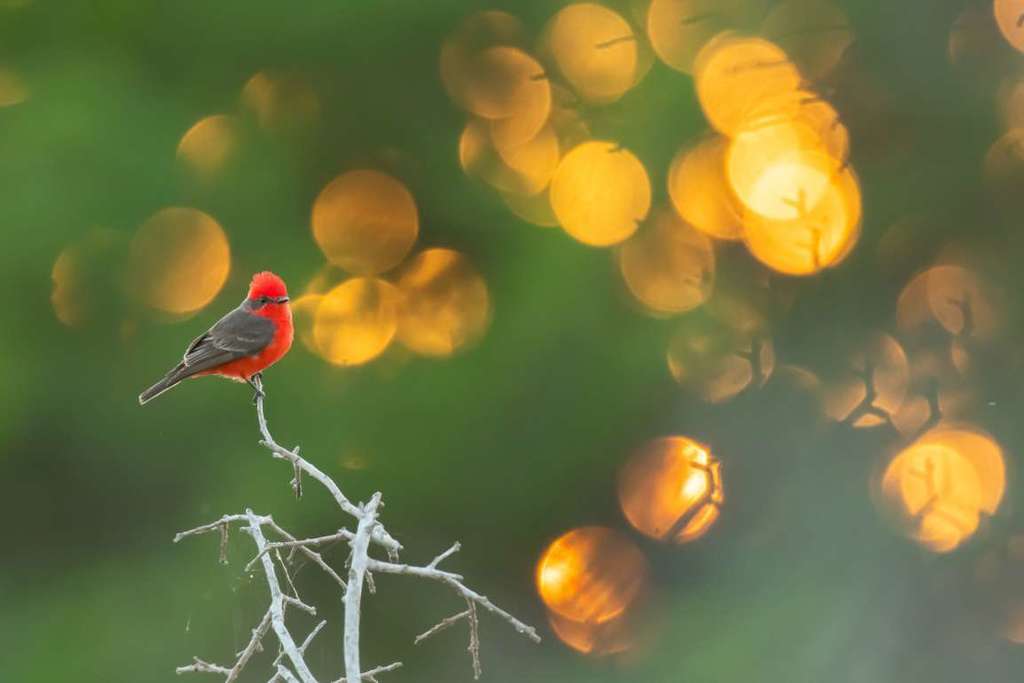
{"points": [[242, 344]]}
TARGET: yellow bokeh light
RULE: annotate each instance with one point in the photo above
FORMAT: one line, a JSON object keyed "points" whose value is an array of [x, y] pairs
{"points": [[735, 74], [446, 305], [821, 237], [609, 637], [595, 50], [815, 33], [178, 260], [208, 145], [591, 575], [78, 276], [671, 489], [873, 386], [356, 320], [678, 29], [365, 221], [959, 302], [281, 101], [952, 297], [304, 316], [1008, 15], [499, 82], [12, 89], [700, 193], [461, 50], [941, 484], [668, 266], [779, 169], [524, 169], [599, 193], [718, 364]]}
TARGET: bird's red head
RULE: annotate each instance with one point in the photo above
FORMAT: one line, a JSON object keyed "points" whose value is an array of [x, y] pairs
{"points": [[268, 287]]}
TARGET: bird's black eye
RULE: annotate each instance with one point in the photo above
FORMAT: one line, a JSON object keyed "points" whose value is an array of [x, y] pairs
{"points": [[263, 300]]}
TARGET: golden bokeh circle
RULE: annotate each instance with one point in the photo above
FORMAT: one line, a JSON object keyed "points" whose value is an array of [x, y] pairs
{"points": [[501, 81], [815, 33], [1008, 15], [668, 266], [671, 489], [524, 169], [446, 305], [735, 74], [941, 484], [594, 49], [356, 321], [719, 363], [179, 259], [610, 637], [365, 221], [599, 193], [209, 144], [461, 50], [880, 366], [591, 575], [281, 101], [820, 237], [700, 192]]}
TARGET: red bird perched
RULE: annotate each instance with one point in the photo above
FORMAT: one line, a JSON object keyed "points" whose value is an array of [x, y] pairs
{"points": [[240, 345]]}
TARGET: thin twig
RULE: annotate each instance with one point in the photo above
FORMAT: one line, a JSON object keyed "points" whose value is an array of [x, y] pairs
{"points": [[440, 626]]}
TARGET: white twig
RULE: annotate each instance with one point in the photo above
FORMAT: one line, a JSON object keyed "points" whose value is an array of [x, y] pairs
{"points": [[440, 626], [455, 581], [445, 555], [354, 591], [277, 603]]}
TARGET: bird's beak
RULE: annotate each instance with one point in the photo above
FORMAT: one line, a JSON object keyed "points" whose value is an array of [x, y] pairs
{"points": [[281, 300]]}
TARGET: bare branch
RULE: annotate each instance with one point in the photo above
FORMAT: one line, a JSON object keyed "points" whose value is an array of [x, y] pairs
{"points": [[212, 526], [354, 591], [455, 582]]}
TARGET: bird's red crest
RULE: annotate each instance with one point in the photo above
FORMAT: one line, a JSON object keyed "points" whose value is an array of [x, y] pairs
{"points": [[267, 284]]}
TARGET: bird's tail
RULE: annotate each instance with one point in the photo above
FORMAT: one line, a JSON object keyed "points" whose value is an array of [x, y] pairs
{"points": [[169, 381]]}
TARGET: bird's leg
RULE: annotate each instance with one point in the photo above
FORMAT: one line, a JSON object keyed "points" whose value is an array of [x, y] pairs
{"points": [[256, 382]]}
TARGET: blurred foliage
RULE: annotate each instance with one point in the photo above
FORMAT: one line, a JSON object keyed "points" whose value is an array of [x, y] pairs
{"points": [[519, 437]]}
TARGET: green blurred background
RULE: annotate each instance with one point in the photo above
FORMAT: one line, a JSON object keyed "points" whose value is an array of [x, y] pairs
{"points": [[503, 446]]}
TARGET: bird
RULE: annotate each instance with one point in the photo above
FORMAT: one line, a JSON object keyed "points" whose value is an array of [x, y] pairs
{"points": [[242, 344]]}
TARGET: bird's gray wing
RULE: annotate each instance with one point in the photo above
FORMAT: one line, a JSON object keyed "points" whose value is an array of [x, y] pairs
{"points": [[238, 334]]}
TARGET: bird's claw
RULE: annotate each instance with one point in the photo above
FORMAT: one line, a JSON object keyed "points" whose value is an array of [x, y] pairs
{"points": [[256, 382]]}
